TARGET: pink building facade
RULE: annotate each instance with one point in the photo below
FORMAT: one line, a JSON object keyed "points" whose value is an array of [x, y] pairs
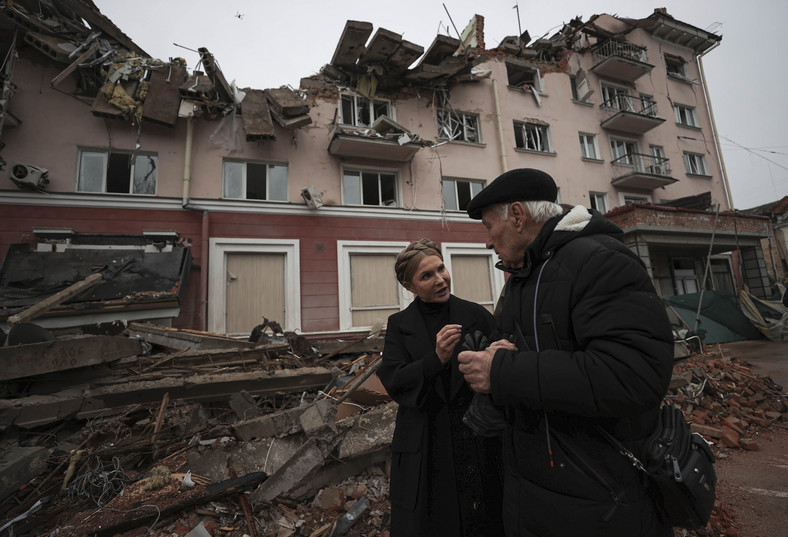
{"points": [[299, 220]]}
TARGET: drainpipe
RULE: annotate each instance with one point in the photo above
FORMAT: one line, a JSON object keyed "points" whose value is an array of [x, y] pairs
{"points": [[725, 182], [204, 272], [504, 167], [187, 164], [202, 311]]}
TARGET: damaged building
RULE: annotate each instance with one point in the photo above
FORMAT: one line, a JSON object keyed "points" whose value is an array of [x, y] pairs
{"points": [[291, 199]]}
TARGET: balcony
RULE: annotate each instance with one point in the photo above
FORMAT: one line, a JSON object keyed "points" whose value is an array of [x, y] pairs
{"points": [[643, 172], [385, 140], [621, 60], [630, 114]]}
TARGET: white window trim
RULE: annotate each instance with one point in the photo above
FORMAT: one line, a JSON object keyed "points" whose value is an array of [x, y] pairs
{"points": [[106, 152], [459, 117], [454, 181], [521, 124], [344, 250], [449, 249], [690, 113], [604, 197], [598, 155], [265, 163], [621, 139], [217, 288], [687, 154], [392, 112], [397, 180], [622, 195]]}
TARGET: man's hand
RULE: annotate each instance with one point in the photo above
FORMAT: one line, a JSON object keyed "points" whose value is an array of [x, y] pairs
{"points": [[476, 365]]}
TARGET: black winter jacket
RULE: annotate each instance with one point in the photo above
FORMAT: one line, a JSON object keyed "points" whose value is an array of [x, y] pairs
{"points": [[594, 350]]}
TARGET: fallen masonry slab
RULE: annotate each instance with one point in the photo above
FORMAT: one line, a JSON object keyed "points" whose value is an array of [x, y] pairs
{"points": [[19, 465], [32, 359], [303, 462]]}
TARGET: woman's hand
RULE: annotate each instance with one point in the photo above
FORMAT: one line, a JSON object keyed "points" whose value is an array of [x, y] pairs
{"points": [[446, 340]]}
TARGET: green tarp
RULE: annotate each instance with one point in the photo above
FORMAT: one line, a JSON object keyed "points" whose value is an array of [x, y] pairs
{"points": [[721, 319]]}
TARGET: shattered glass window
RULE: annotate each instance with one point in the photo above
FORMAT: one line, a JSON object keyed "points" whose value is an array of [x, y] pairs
{"points": [[685, 115], [695, 163], [458, 126], [117, 172], [362, 112], [145, 174], [532, 136]]}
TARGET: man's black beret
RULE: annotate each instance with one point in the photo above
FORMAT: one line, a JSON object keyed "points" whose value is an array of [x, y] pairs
{"points": [[523, 184]]}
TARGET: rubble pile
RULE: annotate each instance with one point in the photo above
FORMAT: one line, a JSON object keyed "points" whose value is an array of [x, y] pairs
{"points": [[729, 405], [202, 435]]}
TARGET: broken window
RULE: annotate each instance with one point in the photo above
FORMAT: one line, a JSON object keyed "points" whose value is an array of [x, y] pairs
{"points": [[685, 115], [695, 163], [598, 201], [581, 90], [117, 172], [532, 136], [457, 193], [623, 151], [617, 98], [369, 188], [524, 76], [648, 105], [362, 112], [254, 181], [676, 67], [658, 164], [588, 146], [458, 126]]}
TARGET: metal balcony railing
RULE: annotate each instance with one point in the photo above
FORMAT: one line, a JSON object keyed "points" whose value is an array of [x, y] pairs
{"points": [[623, 49], [643, 163], [630, 103]]}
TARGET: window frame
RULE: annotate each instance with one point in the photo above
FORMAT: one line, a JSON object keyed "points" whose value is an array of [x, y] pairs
{"points": [[627, 141], [356, 109], [689, 157], [472, 183], [624, 104], [593, 200], [521, 126], [459, 119], [244, 179], [641, 198], [105, 163], [361, 170], [593, 144], [682, 111], [344, 251], [677, 68], [531, 75], [497, 279]]}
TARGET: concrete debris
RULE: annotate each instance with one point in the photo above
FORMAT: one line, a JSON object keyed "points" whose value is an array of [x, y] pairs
{"points": [[255, 433]]}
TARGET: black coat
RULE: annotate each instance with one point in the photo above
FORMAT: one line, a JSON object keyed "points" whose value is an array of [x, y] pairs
{"points": [[444, 480], [600, 355]]}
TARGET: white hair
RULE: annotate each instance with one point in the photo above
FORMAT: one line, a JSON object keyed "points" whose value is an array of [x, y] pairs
{"points": [[539, 211]]}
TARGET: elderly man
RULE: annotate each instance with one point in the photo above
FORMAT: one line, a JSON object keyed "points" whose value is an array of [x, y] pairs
{"points": [[594, 352]]}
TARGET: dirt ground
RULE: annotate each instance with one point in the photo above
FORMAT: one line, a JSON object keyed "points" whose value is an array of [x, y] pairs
{"points": [[753, 485]]}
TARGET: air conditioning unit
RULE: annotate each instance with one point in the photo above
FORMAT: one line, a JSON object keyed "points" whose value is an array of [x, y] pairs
{"points": [[312, 197], [28, 177]]}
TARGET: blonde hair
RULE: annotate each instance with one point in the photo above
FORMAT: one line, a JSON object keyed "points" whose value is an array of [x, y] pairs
{"points": [[409, 259]]}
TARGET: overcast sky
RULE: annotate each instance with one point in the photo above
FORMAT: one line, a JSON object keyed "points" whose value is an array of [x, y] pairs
{"points": [[266, 44]]}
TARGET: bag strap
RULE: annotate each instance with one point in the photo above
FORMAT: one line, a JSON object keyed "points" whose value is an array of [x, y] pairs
{"points": [[623, 450]]}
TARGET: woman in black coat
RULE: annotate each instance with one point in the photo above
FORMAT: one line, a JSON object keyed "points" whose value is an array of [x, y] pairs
{"points": [[444, 480]]}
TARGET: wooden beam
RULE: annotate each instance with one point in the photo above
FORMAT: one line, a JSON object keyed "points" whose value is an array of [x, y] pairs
{"points": [[58, 298], [71, 68], [63, 354]]}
